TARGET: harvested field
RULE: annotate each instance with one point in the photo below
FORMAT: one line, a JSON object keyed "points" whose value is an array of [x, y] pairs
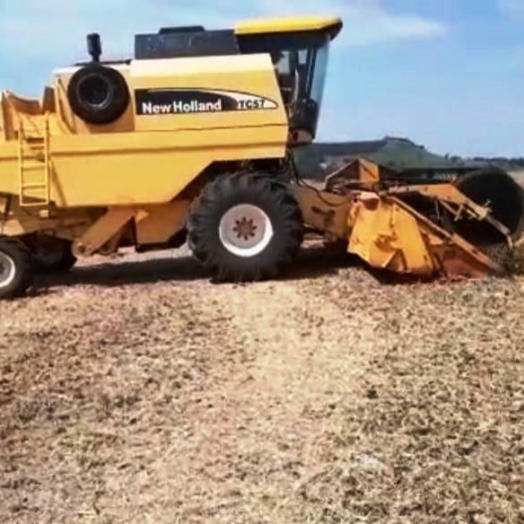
{"points": [[138, 392]]}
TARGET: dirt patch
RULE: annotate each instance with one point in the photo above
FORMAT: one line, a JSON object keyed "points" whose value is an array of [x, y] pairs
{"points": [[139, 392]]}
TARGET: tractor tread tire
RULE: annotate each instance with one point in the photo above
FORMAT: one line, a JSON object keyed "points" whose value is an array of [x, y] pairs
{"points": [[62, 260], [18, 252], [64, 265], [245, 188]]}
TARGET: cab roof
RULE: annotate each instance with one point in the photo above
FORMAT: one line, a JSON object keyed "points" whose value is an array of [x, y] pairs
{"points": [[331, 25]]}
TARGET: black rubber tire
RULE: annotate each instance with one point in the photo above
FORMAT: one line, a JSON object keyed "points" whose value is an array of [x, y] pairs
{"points": [[245, 188], [92, 81], [19, 255], [64, 261]]}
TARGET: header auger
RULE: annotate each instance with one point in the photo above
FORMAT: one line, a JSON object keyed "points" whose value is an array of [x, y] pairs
{"points": [[191, 140]]}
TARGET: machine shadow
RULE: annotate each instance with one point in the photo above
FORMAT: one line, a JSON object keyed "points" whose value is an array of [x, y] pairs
{"points": [[311, 263]]}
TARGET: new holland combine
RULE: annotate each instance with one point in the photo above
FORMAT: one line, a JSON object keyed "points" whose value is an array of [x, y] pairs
{"points": [[191, 140]]}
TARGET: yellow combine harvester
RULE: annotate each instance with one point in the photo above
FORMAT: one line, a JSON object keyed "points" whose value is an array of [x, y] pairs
{"points": [[190, 140]]}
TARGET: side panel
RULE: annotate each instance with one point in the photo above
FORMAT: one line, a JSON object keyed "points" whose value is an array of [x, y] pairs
{"points": [[9, 168], [68, 225], [388, 237], [187, 93], [324, 211], [149, 157], [130, 168], [148, 168], [205, 93]]}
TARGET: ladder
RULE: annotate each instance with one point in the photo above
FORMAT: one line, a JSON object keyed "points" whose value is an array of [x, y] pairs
{"points": [[34, 165]]}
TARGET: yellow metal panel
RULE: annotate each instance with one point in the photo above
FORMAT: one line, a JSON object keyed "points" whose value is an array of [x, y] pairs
{"points": [[368, 171], [248, 74], [157, 224], [288, 24], [4, 201], [149, 168], [68, 225], [450, 250], [324, 211], [3, 130], [103, 229], [244, 74], [9, 168], [146, 168], [388, 237]]}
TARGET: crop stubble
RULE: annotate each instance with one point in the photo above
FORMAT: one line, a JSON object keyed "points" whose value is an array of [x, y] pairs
{"points": [[326, 397]]}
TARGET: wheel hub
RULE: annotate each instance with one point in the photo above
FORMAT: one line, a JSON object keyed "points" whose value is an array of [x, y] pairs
{"points": [[7, 270], [245, 230]]}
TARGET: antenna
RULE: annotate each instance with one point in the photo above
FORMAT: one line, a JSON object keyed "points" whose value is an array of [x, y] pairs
{"points": [[94, 46]]}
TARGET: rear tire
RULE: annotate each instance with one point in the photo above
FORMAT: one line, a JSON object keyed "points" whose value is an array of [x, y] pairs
{"points": [[15, 268], [50, 254], [56, 261], [245, 227]]}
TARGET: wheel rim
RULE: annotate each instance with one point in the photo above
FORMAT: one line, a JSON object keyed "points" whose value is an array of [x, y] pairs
{"points": [[245, 230], [7, 270]]}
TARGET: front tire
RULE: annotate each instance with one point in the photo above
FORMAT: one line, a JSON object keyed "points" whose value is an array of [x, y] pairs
{"points": [[15, 268], [245, 227]]}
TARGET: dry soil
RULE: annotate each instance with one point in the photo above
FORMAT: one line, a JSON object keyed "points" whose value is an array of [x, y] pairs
{"points": [[137, 392]]}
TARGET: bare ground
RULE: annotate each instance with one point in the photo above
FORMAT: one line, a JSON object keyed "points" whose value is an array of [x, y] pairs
{"points": [[138, 392]]}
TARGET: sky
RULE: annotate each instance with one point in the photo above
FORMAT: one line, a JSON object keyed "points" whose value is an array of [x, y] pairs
{"points": [[448, 74]]}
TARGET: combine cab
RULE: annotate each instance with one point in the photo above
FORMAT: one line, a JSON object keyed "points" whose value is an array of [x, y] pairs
{"points": [[191, 140]]}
